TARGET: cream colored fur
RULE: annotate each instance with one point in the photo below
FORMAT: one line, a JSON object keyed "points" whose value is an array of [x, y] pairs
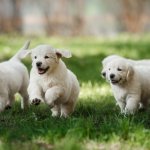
{"points": [[130, 84], [58, 86], [14, 79], [105, 61]]}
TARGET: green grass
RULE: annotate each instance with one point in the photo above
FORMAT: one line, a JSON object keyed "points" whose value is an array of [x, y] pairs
{"points": [[96, 122]]}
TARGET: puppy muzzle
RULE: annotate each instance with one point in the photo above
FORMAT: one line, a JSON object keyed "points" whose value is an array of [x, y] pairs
{"points": [[42, 70]]}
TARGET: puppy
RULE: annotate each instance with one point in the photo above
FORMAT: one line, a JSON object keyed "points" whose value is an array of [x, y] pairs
{"points": [[51, 81], [130, 84], [14, 79], [105, 61]]}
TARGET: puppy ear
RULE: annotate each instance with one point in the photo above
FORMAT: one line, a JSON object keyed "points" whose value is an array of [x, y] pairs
{"points": [[63, 53], [130, 72]]}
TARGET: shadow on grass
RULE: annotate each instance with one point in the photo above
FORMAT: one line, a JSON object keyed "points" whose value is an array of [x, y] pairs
{"points": [[91, 120], [97, 120]]}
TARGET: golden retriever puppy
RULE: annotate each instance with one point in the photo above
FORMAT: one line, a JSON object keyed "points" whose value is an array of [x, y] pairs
{"points": [[130, 84], [51, 81], [105, 61], [14, 79]]}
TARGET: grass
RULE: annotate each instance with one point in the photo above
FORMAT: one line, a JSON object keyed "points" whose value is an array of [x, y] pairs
{"points": [[96, 122]]}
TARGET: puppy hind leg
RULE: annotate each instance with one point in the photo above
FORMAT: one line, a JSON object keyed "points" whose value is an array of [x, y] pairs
{"points": [[3, 102], [24, 99], [10, 102], [55, 111], [67, 109]]}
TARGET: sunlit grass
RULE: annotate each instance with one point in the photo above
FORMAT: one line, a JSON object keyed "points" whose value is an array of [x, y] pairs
{"points": [[96, 122], [99, 90]]}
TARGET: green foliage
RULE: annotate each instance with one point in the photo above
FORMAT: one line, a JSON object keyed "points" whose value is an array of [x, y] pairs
{"points": [[96, 122]]}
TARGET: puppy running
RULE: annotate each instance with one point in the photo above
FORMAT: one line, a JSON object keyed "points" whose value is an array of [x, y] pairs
{"points": [[51, 81], [130, 84], [14, 79]]}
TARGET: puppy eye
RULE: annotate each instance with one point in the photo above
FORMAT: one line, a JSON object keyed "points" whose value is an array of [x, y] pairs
{"points": [[104, 74], [46, 57], [109, 69], [35, 57], [119, 69]]}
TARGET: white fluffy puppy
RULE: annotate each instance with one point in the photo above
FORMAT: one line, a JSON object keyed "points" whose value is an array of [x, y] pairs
{"points": [[14, 79], [105, 61], [130, 84], [51, 81]]}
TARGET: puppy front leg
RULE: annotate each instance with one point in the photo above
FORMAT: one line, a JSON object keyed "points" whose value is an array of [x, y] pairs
{"points": [[52, 94], [3, 101], [35, 95], [132, 105], [122, 106]]}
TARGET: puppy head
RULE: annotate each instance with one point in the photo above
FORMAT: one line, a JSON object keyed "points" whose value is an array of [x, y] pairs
{"points": [[109, 58], [106, 61], [119, 71], [46, 58]]}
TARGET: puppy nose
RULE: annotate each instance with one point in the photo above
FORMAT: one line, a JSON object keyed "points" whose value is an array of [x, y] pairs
{"points": [[38, 64], [112, 76]]}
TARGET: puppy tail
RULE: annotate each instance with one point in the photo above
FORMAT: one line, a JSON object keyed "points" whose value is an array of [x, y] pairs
{"points": [[22, 52]]}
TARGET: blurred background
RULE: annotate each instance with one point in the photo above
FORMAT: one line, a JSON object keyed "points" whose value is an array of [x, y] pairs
{"points": [[91, 30], [74, 17]]}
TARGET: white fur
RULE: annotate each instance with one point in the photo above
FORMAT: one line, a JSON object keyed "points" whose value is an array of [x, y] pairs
{"points": [[14, 79], [58, 86], [130, 84], [108, 59]]}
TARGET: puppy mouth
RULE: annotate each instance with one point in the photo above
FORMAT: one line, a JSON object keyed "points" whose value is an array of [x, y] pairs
{"points": [[115, 81], [42, 70]]}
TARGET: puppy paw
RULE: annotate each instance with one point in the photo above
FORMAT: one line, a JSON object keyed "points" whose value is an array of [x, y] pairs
{"points": [[55, 113], [64, 115], [36, 101], [129, 111]]}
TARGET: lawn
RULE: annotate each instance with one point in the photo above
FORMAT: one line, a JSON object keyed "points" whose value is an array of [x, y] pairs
{"points": [[96, 123]]}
